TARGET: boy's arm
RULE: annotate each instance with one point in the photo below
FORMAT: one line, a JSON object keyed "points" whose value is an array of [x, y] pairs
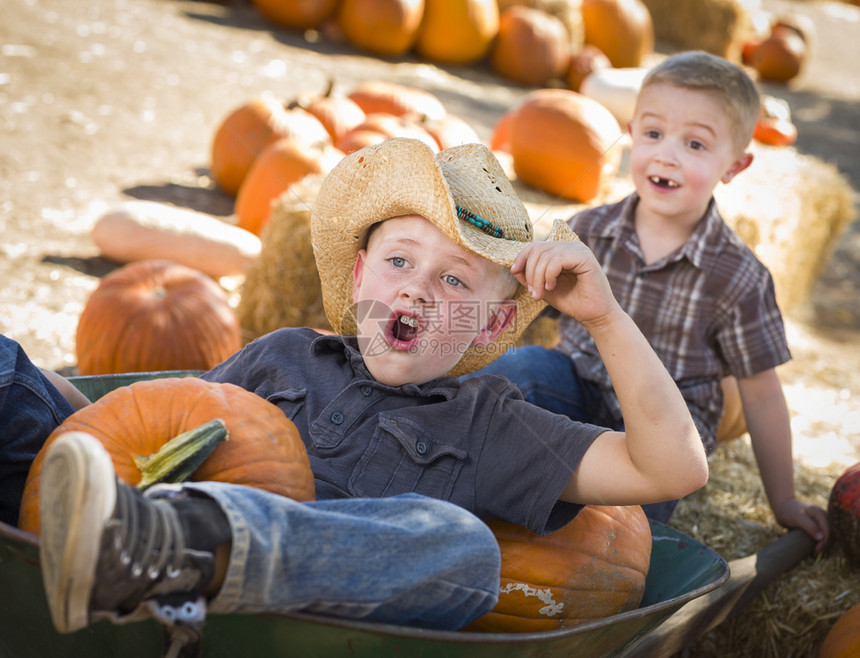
{"points": [[770, 431], [660, 455], [68, 390]]}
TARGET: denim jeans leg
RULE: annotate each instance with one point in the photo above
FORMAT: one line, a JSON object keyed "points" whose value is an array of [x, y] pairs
{"points": [[406, 559], [30, 409]]}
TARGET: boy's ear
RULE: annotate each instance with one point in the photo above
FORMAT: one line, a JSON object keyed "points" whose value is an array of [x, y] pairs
{"points": [[737, 167], [357, 274], [501, 316]]}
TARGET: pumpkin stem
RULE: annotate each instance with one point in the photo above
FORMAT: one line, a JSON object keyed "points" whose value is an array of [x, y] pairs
{"points": [[177, 459]]}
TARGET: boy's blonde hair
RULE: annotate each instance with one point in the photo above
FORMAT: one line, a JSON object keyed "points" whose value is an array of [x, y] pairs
{"points": [[724, 81]]}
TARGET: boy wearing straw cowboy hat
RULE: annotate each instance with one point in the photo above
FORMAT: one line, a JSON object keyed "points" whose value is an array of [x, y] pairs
{"points": [[429, 260]]}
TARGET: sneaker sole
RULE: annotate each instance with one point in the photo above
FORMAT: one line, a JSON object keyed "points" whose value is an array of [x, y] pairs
{"points": [[77, 497]]}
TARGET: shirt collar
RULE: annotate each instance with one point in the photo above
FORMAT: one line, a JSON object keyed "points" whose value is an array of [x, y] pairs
{"points": [[701, 249], [446, 387]]}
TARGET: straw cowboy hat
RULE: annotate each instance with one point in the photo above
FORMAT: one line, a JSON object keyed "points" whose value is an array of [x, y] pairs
{"points": [[462, 191]]}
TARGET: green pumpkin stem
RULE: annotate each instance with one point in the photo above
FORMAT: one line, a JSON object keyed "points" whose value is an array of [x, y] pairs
{"points": [[177, 459]]}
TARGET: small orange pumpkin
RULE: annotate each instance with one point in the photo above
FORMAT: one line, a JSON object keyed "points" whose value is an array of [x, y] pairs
{"points": [[154, 315], [500, 139], [357, 139], [457, 32], [304, 15], [387, 28], [280, 165], [336, 111], [622, 29], [392, 98], [592, 568], [390, 126], [263, 449], [583, 63], [843, 638], [780, 57], [563, 143], [246, 131], [451, 131], [533, 46]]}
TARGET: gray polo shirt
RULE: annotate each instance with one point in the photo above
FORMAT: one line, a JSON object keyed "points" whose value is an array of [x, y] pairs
{"points": [[476, 443]]}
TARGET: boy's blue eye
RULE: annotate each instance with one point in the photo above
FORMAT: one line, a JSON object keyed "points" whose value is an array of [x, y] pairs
{"points": [[452, 280], [397, 261]]}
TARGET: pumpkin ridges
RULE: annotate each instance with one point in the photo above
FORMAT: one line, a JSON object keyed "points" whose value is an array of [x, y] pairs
{"points": [[572, 575], [123, 328], [457, 31], [140, 418], [562, 142]]}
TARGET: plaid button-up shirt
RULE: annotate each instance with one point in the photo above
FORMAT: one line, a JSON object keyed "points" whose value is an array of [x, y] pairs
{"points": [[708, 309]]}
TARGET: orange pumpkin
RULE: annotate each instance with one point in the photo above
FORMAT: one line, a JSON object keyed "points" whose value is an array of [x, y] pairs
{"points": [[357, 139], [246, 131], [335, 111], [387, 28], [500, 139], [280, 165], [374, 96], [457, 32], [592, 568], [451, 131], [263, 448], [843, 639], [564, 143], [390, 126], [780, 57], [583, 63], [533, 46], [155, 315], [304, 15], [622, 29]]}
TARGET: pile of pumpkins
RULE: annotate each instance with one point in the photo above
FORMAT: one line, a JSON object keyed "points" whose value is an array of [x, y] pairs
{"points": [[560, 141], [527, 43]]}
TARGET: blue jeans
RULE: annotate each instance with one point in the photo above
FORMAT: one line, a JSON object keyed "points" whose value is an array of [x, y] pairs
{"points": [[30, 409], [405, 559], [548, 379]]}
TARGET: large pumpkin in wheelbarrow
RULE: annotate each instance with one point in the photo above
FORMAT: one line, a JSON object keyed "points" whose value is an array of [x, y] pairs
{"points": [[592, 568], [263, 447], [844, 511]]}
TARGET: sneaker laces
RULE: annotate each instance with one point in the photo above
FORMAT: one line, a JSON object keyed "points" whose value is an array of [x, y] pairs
{"points": [[163, 547]]}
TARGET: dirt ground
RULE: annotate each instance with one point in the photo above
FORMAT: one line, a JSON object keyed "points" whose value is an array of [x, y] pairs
{"points": [[111, 100]]}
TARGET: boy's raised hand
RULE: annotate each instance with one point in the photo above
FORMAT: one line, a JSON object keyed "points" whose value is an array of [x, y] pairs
{"points": [[568, 277]]}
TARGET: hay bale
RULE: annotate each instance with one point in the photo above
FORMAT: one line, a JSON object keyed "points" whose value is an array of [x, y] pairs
{"points": [[282, 287], [790, 209], [720, 27]]}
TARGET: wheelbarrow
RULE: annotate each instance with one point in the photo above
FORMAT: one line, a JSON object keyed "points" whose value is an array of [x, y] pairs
{"points": [[689, 589]]}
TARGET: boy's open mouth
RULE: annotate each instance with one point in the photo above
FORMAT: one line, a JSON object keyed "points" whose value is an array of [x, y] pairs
{"points": [[404, 330], [663, 182]]}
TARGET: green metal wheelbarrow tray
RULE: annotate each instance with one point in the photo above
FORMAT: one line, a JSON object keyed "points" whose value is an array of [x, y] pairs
{"points": [[683, 573]]}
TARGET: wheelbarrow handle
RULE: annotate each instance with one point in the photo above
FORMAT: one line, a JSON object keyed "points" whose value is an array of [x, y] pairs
{"points": [[749, 576]]}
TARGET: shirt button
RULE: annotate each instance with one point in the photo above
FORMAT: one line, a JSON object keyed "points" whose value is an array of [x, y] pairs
{"points": [[421, 447], [643, 275], [366, 391], [337, 418]]}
